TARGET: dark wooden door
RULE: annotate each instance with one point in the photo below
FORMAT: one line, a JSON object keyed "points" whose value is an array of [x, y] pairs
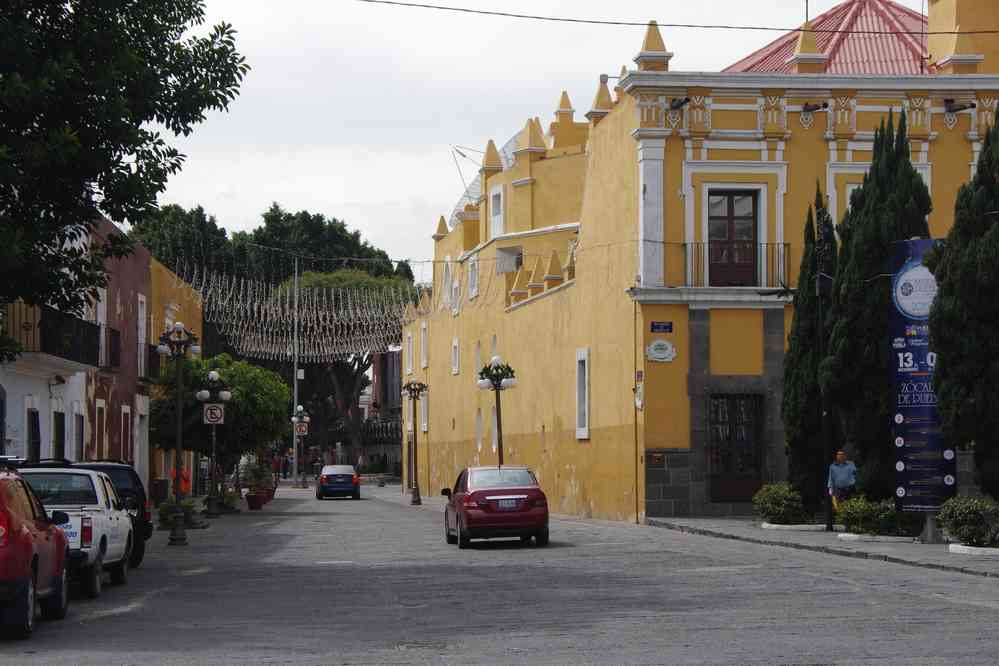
{"points": [[732, 239], [735, 458]]}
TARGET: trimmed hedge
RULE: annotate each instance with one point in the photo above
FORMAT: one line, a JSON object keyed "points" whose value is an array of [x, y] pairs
{"points": [[861, 516], [780, 504], [974, 522]]}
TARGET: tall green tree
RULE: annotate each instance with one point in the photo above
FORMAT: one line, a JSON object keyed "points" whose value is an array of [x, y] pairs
{"points": [[85, 90], [256, 416], [801, 406], [892, 205], [964, 316], [174, 235]]}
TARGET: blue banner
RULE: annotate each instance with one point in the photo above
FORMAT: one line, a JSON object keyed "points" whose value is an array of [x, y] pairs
{"points": [[925, 468]]}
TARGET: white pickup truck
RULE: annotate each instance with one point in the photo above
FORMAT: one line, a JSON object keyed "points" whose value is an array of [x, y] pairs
{"points": [[99, 528]]}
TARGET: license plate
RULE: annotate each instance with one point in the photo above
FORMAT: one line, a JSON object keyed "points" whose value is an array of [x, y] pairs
{"points": [[507, 504]]}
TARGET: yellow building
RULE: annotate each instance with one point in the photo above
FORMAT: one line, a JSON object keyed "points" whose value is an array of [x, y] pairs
{"points": [[628, 267], [171, 300]]}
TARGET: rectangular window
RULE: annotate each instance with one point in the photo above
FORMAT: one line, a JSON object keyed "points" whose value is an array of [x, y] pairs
{"points": [[583, 393], [78, 433], [102, 321], [478, 357], [478, 429], [495, 431], [473, 277], [732, 239], [496, 211], [493, 352], [141, 343], [424, 412], [455, 294], [126, 433], [58, 435], [409, 353], [424, 345], [408, 413], [34, 436], [455, 357], [101, 436]]}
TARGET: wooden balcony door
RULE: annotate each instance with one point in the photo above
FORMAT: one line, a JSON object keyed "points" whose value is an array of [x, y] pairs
{"points": [[732, 239]]}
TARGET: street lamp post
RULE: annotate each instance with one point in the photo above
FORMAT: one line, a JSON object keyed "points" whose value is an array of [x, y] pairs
{"points": [[497, 376], [175, 343], [218, 390], [301, 416], [414, 390]]}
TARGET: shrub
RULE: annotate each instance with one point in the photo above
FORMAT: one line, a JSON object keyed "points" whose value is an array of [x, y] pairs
{"points": [[974, 522], [780, 504], [167, 508], [861, 516]]}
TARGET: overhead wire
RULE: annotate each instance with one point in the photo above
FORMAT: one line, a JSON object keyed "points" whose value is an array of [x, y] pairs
{"points": [[694, 26]]}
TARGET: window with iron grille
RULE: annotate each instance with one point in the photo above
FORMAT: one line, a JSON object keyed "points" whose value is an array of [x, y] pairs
{"points": [[735, 460]]}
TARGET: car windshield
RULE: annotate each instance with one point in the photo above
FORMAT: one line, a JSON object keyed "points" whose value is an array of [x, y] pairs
{"points": [[62, 487], [338, 469], [502, 478]]}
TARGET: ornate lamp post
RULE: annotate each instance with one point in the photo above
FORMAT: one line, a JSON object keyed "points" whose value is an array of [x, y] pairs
{"points": [[497, 376], [301, 416], [414, 390], [217, 390], [176, 343]]}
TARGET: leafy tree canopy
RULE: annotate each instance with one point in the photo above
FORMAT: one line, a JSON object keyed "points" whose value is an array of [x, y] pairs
{"points": [[964, 315], [84, 87], [892, 205], [256, 416]]}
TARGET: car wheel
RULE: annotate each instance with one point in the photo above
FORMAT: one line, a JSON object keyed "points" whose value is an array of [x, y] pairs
{"points": [[319, 497], [525, 540], [19, 618], [356, 495], [119, 572], [541, 538], [463, 541], [138, 553], [448, 537], [56, 606], [93, 578]]}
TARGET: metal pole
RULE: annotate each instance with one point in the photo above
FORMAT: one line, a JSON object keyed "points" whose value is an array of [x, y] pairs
{"points": [[213, 496], [294, 435], [499, 426], [177, 535], [415, 497]]}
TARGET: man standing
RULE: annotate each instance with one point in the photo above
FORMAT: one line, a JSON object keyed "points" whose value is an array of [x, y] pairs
{"points": [[842, 481]]}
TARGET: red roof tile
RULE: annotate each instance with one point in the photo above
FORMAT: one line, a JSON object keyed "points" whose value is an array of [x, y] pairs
{"points": [[852, 53]]}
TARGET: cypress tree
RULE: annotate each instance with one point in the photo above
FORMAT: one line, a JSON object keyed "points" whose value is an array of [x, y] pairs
{"points": [[964, 317], [801, 405], [892, 205]]}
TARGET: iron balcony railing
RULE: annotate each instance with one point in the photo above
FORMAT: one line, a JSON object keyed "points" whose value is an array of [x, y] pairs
{"points": [[727, 264], [110, 356], [48, 331]]}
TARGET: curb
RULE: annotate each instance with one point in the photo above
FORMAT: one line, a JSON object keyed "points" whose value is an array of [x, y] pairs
{"points": [[665, 524]]}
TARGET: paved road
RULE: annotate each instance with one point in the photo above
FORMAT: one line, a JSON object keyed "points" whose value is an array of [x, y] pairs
{"points": [[372, 582]]}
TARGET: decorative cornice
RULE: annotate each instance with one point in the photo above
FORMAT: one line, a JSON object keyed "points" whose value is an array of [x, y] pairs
{"points": [[961, 59], [808, 58], [547, 292], [808, 82], [572, 226], [523, 181], [700, 298]]}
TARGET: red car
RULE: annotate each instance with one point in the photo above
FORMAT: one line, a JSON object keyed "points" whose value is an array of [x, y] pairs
{"points": [[33, 557], [492, 502]]}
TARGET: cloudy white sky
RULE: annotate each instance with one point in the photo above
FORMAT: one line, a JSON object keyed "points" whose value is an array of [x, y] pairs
{"points": [[351, 108]]}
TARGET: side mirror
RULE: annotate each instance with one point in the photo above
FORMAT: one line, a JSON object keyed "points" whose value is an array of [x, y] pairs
{"points": [[59, 518], [446, 492]]}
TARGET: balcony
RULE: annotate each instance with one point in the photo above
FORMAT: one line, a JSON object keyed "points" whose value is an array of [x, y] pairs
{"points": [[727, 264], [67, 343]]}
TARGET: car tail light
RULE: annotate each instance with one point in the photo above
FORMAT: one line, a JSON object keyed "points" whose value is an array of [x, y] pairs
{"points": [[357, 480], [148, 513], [4, 525], [470, 502], [87, 531], [324, 479]]}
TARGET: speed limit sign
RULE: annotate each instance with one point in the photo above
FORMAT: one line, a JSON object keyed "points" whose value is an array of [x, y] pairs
{"points": [[214, 414], [302, 429]]}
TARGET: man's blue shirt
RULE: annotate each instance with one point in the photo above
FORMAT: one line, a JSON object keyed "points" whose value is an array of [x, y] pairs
{"points": [[842, 475]]}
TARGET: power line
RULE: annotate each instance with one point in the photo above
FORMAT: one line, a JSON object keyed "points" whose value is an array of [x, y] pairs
{"points": [[695, 26]]}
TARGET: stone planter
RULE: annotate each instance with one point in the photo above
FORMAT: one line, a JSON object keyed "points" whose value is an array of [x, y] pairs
{"points": [[255, 501], [974, 551]]}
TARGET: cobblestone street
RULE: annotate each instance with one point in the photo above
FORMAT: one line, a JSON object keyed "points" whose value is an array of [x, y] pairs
{"points": [[372, 581]]}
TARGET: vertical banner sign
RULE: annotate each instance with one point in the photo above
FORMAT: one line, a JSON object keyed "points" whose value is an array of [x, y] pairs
{"points": [[925, 469]]}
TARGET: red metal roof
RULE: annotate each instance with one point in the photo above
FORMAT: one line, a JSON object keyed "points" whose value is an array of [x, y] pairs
{"points": [[851, 53]]}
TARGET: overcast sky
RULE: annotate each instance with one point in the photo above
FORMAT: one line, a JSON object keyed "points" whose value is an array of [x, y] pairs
{"points": [[350, 108]]}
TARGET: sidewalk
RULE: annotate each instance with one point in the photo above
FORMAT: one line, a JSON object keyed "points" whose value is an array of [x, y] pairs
{"points": [[928, 556]]}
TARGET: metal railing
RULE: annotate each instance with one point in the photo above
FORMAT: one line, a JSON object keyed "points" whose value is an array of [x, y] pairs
{"points": [[727, 264], [110, 356], [46, 330]]}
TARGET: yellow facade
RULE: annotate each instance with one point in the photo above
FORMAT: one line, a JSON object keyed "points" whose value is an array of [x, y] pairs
{"points": [[682, 334], [170, 300]]}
